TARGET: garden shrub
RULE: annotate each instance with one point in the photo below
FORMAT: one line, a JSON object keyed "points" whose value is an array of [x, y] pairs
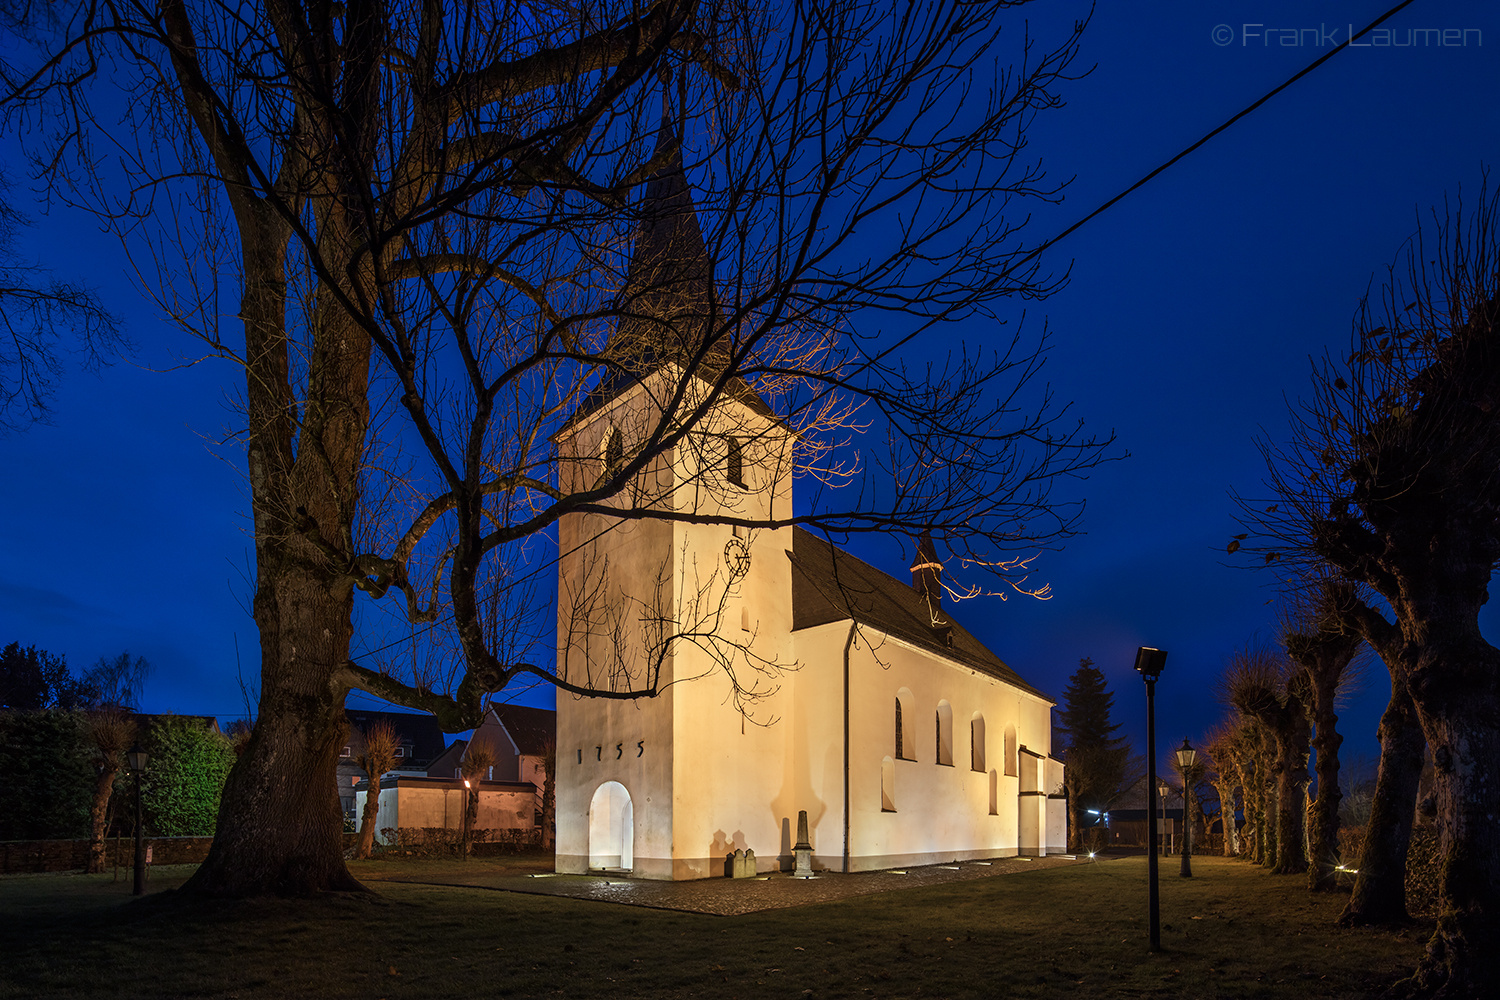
{"points": [[184, 777], [46, 780]]}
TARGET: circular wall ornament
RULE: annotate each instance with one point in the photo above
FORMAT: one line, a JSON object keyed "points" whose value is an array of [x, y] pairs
{"points": [[737, 558]]}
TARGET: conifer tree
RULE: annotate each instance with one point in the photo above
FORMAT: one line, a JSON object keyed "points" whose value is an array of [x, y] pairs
{"points": [[1099, 766]]}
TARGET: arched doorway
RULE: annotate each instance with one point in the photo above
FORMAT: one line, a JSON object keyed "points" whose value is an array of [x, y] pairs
{"points": [[611, 828]]}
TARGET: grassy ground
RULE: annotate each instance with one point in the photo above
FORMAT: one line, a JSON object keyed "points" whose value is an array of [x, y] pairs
{"points": [[1233, 931]]}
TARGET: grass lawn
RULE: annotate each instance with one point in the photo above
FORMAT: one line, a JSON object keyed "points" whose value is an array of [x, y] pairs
{"points": [[1233, 931]]}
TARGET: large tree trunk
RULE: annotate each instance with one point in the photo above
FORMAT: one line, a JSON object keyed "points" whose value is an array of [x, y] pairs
{"points": [[1323, 820], [1458, 705], [1380, 886], [1291, 796], [280, 827], [104, 786]]}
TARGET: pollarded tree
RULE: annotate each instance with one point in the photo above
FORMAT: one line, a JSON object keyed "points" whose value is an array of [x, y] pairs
{"points": [[475, 767], [446, 228], [1393, 470], [379, 756], [115, 687], [1221, 770], [1322, 646], [1261, 686]]}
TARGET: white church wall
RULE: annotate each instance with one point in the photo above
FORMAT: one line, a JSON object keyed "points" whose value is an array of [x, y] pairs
{"points": [[732, 779], [611, 574], [942, 812]]}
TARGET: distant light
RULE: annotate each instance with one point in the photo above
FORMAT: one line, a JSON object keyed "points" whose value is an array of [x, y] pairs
{"points": [[1091, 855], [1094, 812]]}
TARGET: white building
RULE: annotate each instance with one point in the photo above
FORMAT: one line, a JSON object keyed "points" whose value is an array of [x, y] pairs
{"points": [[901, 736]]}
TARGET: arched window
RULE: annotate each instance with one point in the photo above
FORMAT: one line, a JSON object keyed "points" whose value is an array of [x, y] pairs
{"points": [[887, 785], [976, 743], [611, 451], [945, 733], [735, 463], [906, 737], [1011, 767]]}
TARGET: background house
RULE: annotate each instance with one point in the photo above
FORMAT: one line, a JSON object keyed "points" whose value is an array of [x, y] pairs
{"points": [[422, 744]]}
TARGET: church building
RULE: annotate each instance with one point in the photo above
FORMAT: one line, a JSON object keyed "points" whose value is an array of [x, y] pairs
{"points": [[790, 675]]}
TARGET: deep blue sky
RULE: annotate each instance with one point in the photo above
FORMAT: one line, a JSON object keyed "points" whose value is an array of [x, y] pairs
{"points": [[1190, 316]]}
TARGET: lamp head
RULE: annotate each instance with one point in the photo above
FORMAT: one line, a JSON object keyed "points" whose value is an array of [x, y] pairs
{"points": [[1186, 756], [1149, 662], [137, 758]]}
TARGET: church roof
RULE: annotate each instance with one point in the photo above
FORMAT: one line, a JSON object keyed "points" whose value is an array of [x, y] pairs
{"points": [[830, 585]]}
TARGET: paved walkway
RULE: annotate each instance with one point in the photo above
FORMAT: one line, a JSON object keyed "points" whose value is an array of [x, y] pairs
{"points": [[728, 897]]}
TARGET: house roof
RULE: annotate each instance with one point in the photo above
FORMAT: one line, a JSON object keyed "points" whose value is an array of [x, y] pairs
{"points": [[830, 585], [532, 730], [419, 733]]}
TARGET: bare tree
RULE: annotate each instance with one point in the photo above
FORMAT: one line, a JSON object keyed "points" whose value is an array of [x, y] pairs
{"points": [[446, 230], [41, 318], [1259, 683], [1219, 747], [475, 766], [1393, 471], [379, 756], [114, 689], [549, 795], [1321, 645]]}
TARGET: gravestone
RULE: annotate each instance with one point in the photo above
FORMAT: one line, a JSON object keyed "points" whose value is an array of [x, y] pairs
{"points": [[802, 852], [750, 870], [739, 863]]}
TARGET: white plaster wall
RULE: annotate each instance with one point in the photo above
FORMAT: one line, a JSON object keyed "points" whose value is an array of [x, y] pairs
{"points": [[741, 770], [942, 812], [610, 572], [442, 806]]}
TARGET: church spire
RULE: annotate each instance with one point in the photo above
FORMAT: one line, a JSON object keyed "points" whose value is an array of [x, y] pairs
{"points": [[668, 307]]}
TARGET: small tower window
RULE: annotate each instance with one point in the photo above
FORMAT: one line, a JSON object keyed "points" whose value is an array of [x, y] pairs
{"points": [[614, 451], [735, 462]]}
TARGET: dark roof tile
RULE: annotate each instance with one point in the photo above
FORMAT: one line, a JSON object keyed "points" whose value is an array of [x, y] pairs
{"points": [[830, 585]]}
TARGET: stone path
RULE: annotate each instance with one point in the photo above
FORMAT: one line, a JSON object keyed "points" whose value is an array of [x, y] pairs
{"points": [[728, 897]]}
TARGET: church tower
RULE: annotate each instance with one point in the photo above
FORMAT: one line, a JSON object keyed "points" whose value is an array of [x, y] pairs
{"points": [[690, 604]]}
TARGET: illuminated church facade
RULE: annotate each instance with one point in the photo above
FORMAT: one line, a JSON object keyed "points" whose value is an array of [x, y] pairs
{"points": [[791, 675]]}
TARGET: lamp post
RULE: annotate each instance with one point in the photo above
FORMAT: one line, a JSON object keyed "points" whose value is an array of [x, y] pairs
{"points": [[464, 852], [137, 759], [1186, 758], [1162, 788], [1149, 662]]}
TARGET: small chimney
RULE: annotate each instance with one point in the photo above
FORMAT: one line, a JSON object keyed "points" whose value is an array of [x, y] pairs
{"points": [[926, 576]]}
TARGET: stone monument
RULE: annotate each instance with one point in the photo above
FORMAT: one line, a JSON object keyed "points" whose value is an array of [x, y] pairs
{"points": [[802, 852]]}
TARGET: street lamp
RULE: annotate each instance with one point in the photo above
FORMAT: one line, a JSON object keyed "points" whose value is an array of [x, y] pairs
{"points": [[137, 759], [1149, 662], [464, 853], [1186, 758], [1162, 788]]}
